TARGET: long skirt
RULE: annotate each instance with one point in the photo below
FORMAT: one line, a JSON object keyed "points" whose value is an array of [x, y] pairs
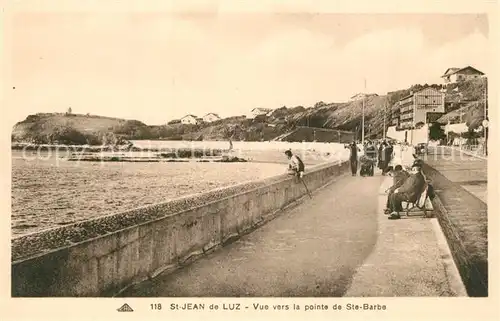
{"points": [[354, 165]]}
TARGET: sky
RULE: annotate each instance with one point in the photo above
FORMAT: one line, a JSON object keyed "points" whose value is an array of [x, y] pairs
{"points": [[156, 67]]}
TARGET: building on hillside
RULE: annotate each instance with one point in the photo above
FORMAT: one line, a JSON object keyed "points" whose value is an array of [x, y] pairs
{"points": [[258, 112], [395, 115], [189, 119], [420, 107], [174, 121], [453, 75], [210, 117], [361, 96]]}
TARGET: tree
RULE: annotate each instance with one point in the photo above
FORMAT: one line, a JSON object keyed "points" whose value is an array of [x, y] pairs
{"points": [[436, 132], [319, 104], [67, 135]]}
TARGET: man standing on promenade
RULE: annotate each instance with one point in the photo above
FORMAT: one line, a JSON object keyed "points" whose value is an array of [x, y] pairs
{"points": [[353, 157], [386, 157], [408, 192]]}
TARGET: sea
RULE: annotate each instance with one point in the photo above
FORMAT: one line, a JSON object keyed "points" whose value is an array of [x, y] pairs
{"points": [[50, 191]]}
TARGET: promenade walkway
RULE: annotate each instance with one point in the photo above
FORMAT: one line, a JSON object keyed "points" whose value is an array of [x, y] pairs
{"points": [[461, 183], [339, 243], [462, 168]]}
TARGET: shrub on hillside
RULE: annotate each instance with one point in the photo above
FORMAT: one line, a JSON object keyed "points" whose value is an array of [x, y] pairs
{"points": [[66, 135], [133, 129], [32, 118], [319, 104]]}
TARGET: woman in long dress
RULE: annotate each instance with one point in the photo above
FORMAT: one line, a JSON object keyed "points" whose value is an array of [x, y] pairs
{"points": [[381, 153]]}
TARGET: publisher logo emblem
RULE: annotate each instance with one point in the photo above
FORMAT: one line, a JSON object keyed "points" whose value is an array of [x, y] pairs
{"points": [[125, 308]]}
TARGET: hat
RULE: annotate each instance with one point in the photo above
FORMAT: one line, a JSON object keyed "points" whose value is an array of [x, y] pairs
{"points": [[288, 152], [417, 163]]}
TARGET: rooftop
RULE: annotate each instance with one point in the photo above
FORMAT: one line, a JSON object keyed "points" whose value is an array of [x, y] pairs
{"points": [[452, 71]]}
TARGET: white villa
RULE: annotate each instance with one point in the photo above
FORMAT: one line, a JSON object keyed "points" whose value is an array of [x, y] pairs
{"points": [[189, 119], [210, 117], [453, 75]]}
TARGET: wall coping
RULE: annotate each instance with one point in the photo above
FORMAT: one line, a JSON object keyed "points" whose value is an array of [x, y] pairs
{"points": [[53, 239]]}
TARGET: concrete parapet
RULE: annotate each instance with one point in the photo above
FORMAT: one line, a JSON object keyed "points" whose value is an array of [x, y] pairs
{"points": [[103, 256]]}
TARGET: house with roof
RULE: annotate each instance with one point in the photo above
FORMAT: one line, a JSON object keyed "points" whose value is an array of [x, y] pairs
{"points": [[361, 96], [174, 121], [210, 117], [259, 112], [190, 119], [453, 75], [423, 106]]}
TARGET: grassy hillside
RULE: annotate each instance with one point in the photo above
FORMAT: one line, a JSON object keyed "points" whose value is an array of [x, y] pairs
{"points": [[72, 129], [467, 98]]}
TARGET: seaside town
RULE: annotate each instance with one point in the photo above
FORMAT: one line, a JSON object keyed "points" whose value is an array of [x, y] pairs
{"points": [[382, 194]]}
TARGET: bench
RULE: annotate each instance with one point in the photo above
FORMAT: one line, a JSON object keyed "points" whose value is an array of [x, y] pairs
{"points": [[423, 203]]}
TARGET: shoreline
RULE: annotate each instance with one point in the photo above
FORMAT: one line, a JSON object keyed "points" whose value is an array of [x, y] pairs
{"points": [[97, 148]]}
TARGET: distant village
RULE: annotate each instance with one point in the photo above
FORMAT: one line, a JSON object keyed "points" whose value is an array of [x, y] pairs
{"points": [[190, 119], [413, 111]]}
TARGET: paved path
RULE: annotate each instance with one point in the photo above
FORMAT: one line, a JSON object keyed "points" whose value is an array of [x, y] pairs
{"points": [[337, 244], [461, 185], [470, 172]]}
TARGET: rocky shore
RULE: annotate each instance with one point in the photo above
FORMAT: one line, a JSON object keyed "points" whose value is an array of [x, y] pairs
{"points": [[130, 153]]}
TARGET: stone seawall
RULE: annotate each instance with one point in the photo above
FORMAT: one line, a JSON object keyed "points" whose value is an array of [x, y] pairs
{"points": [[103, 256], [464, 221]]}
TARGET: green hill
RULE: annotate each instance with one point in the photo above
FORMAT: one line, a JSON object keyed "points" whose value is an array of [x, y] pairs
{"points": [[283, 123], [73, 129]]}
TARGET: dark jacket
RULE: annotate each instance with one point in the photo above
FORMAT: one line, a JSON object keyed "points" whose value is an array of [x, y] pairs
{"points": [[388, 153], [398, 179], [413, 186], [354, 151]]}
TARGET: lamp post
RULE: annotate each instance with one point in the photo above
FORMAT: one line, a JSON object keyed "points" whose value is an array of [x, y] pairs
{"points": [[413, 119], [485, 121], [485, 128], [363, 118], [363, 124], [385, 112]]}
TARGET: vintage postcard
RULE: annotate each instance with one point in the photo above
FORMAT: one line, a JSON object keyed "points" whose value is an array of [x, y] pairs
{"points": [[217, 159]]}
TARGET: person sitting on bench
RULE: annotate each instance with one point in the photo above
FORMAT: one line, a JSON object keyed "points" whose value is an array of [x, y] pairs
{"points": [[408, 192], [399, 176]]}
